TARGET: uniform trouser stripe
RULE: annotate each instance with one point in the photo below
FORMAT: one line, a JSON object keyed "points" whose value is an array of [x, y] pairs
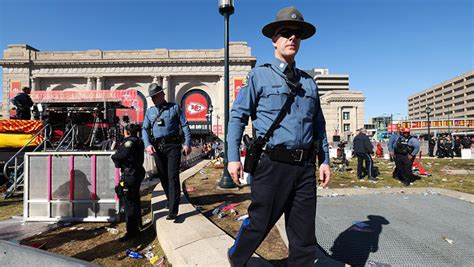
{"points": [[245, 223]]}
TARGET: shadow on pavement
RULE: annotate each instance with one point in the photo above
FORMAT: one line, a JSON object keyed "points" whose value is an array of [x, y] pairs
{"points": [[354, 245]]}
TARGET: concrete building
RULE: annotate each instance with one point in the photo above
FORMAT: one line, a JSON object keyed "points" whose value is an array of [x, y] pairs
{"points": [[448, 100], [329, 82], [192, 78], [343, 108]]}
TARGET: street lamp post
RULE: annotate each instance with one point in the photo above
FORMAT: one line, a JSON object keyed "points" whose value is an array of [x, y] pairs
{"points": [[226, 8], [449, 121], [428, 111], [210, 109]]}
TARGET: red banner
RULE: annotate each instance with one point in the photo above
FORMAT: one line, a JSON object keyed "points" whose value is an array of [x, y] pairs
{"points": [[195, 107], [237, 85], [15, 88], [128, 98], [124, 96]]}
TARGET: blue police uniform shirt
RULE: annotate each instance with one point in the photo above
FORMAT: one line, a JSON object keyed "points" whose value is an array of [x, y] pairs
{"points": [[172, 117], [262, 99], [413, 142], [391, 142]]}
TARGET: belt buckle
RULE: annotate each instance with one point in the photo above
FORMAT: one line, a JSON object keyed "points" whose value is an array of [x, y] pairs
{"points": [[298, 155]]}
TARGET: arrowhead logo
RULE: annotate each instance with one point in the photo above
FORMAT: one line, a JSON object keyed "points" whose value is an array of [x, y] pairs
{"points": [[195, 108]]}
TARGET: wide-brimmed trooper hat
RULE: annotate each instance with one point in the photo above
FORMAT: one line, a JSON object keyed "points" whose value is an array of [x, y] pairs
{"points": [[154, 89], [290, 16]]}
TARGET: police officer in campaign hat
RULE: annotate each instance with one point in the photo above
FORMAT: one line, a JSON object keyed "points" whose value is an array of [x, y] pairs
{"points": [[161, 135], [129, 158], [23, 103], [405, 148], [284, 179]]}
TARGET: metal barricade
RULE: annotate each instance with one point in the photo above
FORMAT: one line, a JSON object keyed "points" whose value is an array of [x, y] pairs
{"points": [[70, 186]]}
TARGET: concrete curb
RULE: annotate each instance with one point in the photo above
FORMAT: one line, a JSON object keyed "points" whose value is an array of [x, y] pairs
{"points": [[192, 240]]}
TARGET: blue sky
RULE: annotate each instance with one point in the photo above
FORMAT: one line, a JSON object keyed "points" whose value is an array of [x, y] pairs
{"points": [[390, 48]]}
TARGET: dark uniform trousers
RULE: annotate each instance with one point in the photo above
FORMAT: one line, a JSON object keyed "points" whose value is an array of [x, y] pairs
{"points": [[276, 188], [132, 209], [361, 157], [404, 168], [168, 159]]}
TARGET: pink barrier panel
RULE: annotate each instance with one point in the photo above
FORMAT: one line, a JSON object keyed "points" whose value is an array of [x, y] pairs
{"points": [[71, 178], [94, 177], [50, 174]]}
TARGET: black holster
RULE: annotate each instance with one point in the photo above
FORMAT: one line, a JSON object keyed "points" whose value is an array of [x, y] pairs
{"points": [[254, 152]]}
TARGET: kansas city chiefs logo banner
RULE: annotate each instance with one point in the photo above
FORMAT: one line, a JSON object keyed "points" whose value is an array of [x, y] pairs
{"points": [[195, 107]]}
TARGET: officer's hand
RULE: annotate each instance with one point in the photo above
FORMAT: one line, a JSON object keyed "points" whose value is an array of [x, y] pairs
{"points": [[235, 170], [324, 175], [410, 157], [186, 150], [150, 150]]}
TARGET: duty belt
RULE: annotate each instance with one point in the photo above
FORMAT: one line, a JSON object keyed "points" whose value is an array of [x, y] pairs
{"points": [[292, 156], [172, 139]]}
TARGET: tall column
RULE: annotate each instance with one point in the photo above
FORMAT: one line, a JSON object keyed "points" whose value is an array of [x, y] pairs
{"points": [[33, 84], [99, 83], [89, 83], [166, 87]]}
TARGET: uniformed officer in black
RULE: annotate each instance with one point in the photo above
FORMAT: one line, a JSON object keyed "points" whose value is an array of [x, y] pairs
{"points": [[23, 103], [284, 180], [129, 158], [431, 146], [449, 146], [161, 127], [406, 147]]}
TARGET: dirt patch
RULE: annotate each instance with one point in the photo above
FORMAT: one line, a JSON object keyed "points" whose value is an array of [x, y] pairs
{"points": [[96, 242], [203, 193], [11, 206], [462, 181]]}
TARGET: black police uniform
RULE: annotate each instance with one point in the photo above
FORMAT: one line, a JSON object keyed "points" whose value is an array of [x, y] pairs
{"points": [[466, 142], [362, 149], [402, 162], [449, 147], [23, 104], [431, 146], [457, 147], [129, 158]]}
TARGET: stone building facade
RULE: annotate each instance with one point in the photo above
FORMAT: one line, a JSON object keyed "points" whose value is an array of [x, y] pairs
{"points": [[344, 113], [178, 71], [186, 75]]}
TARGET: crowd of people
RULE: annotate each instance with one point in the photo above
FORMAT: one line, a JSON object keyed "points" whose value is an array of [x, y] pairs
{"points": [[447, 147]]}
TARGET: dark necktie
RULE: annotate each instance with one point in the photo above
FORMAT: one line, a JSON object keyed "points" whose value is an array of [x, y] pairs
{"points": [[290, 74]]}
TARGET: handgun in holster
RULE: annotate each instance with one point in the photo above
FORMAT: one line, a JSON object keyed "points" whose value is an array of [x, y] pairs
{"points": [[254, 152]]}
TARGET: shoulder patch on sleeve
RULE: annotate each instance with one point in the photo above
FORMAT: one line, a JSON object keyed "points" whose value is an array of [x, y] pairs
{"points": [[128, 143], [245, 81]]}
